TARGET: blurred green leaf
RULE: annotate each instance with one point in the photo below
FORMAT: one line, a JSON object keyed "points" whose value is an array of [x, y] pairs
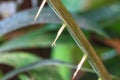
{"points": [[35, 39], [41, 64], [75, 5], [63, 52], [99, 3], [18, 59], [25, 18], [113, 65], [114, 28], [1, 74], [108, 55], [47, 73], [105, 14], [23, 77]]}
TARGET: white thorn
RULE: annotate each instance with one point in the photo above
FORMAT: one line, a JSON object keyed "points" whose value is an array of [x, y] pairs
{"points": [[40, 8], [58, 34], [80, 65]]}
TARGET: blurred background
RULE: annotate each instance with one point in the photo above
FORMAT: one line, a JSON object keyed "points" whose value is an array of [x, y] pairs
{"points": [[25, 45]]}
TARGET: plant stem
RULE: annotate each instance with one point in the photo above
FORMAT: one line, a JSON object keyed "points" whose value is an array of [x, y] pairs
{"points": [[80, 38]]}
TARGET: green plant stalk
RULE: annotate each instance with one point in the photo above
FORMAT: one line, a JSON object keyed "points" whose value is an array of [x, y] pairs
{"points": [[61, 52], [80, 38]]}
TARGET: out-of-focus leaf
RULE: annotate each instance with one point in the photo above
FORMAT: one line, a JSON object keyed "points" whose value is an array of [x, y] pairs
{"points": [[35, 39], [23, 77], [63, 52], [105, 53], [75, 5], [47, 73], [1, 74], [109, 55], [25, 18], [41, 64], [114, 28], [99, 3], [113, 66], [17, 59], [104, 14]]}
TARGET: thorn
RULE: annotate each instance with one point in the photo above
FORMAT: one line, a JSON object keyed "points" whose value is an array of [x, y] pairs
{"points": [[79, 65], [58, 34], [40, 8]]}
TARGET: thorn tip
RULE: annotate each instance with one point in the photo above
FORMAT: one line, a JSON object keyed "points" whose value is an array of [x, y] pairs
{"points": [[58, 34], [40, 8], [79, 65]]}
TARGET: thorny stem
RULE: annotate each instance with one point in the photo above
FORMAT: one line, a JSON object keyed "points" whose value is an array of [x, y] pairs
{"points": [[80, 38]]}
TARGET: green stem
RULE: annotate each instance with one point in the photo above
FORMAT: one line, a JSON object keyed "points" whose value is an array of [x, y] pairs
{"points": [[80, 38]]}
